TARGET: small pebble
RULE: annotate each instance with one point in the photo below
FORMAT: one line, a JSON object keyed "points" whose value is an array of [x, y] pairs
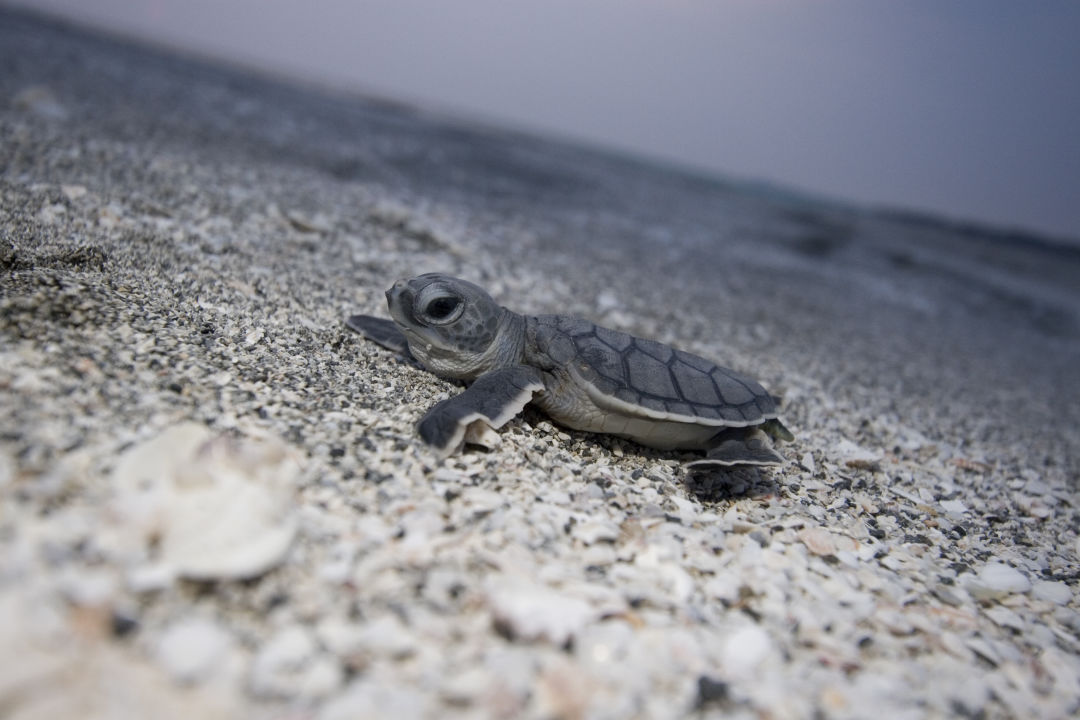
{"points": [[370, 698], [997, 580], [744, 650], [41, 101], [192, 650], [290, 665], [856, 456], [818, 541], [1056, 592], [954, 506], [523, 610], [592, 532]]}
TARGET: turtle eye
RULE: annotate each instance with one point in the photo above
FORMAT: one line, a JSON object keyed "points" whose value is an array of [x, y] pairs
{"points": [[443, 308]]}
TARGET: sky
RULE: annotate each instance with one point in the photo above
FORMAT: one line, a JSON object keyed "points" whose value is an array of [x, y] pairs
{"points": [[965, 108]]}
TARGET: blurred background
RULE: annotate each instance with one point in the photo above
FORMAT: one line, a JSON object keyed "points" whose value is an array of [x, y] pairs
{"points": [[965, 109]]}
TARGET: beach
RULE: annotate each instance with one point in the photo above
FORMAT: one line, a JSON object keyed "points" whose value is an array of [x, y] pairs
{"points": [[213, 499]]}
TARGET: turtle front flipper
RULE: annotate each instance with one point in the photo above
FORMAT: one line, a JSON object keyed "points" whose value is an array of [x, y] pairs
{"points": [[739, 446], [381, 331], [493, 398]]}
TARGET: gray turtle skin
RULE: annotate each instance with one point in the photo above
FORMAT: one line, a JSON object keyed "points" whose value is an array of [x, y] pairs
{"points": [[584, 376]]}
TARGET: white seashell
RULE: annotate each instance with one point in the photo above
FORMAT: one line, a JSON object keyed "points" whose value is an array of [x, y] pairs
{"points": [[219, 507]]}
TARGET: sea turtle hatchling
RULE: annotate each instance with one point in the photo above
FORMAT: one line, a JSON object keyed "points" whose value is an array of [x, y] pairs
{"points": [[584, 376]]}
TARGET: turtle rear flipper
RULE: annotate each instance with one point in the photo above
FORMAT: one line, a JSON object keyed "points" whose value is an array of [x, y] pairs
{"points": [[745, 448], [776, 430]]}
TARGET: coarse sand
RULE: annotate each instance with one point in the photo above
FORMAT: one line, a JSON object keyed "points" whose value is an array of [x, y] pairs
{"points": [[213, 501]]}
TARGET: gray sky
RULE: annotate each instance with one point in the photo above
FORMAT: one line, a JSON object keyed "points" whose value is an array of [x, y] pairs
{"points": [[966, 108]]}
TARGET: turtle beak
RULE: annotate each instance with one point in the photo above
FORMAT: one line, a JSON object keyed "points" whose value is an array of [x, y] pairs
{"points": [[395, 292], [398, 302]]}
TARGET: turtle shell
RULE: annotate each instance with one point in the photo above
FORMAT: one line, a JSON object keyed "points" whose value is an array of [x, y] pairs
{"points": [[644, 377]]}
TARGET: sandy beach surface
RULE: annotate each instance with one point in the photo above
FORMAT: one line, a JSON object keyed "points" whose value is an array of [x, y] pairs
{"points": [[213, 501]]}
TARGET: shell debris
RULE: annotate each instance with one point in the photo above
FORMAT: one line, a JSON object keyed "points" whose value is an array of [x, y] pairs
{"points": [[212, 506]]}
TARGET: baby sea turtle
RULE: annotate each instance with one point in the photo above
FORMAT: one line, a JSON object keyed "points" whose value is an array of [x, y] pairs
{"points": [[584, 376]]}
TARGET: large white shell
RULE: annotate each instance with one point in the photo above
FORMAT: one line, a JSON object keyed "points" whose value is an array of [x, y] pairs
{"points": [[217, 507]]}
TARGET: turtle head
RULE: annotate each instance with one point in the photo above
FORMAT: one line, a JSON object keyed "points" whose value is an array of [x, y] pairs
{"points": [[454, 328]]}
